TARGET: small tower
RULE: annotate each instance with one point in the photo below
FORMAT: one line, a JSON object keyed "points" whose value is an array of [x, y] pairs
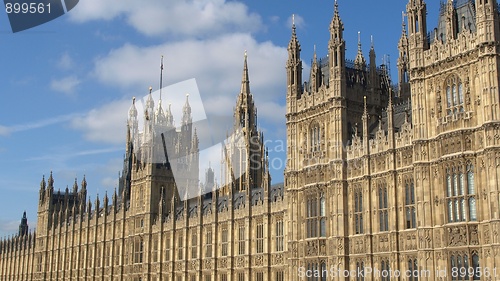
{"points": [[315, 79], [360, 62], [403, 63], [487, 20], [186, 126], [23, 226], [132, 127], [374, 84], [336, 54], [244, 114], [417, 27], [337, 86], [293, 70], [451, 21]]}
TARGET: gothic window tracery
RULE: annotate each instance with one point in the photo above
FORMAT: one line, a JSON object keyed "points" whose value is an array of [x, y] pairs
{"points": [[194, 244], [412, 268], [464, 268], [241, 239], [208, 243], [316, 216], [224, 244], [385, 270], [260, 238], [382, 206], [315, 137], [410, 214], [358, 210], [461, 194], [279, 235], [360, 267], [454, 95]]}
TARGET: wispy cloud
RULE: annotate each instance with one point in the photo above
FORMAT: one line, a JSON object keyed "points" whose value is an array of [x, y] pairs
{"points": [[9, 227], [297, 19], [65, 62], [66, 156], [7, 130], [66, 85]]}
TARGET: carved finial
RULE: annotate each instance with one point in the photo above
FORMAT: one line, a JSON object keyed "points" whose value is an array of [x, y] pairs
{"points": [[150, 89], [365, 110]]}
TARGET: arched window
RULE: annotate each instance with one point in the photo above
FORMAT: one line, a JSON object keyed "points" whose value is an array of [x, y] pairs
{"points": [[461, 194], [315, 137], [360, 267], [358, 211], [410, 216], [475, 265], [324, 272], [385, 271], [316, 216], [382, 207], [413, 269], [454, 95]]}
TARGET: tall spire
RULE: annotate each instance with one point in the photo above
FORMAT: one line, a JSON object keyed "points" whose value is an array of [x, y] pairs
{"points": [[23, 226], [161, 76], [315, 77], [417, 24], [50, 181], [245, 83], [336, 50], [360, 62], [245, 111], [294, 65], [403, 61], [186, 110], [365, 119], [150, 104]]}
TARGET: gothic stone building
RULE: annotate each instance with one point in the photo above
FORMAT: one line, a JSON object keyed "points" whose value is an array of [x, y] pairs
{"points": [[410, 195]]}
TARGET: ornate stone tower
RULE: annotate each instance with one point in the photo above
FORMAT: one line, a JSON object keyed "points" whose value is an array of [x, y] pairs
{"points": [[315, 174], [244, 155]]}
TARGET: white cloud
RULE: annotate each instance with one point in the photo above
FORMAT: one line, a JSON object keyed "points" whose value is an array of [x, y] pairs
{"points": [[104, 124], [66, 85], [109, 183], [7, 130], [216, 64], [299, 21], [65, 62], [4, 131], [9, 227], [172, 17]]}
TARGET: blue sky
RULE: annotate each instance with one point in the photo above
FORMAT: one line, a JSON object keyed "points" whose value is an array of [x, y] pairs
{"points": [[67, 85]]}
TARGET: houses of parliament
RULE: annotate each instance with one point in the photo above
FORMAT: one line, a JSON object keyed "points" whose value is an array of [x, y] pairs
{"points": [[383, 181]]}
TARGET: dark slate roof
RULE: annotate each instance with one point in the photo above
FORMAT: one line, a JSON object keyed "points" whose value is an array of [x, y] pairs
{"points": [[466, 15], [277, 191], [257, 195], [239, 199], [222, 203], [207, 206]]}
